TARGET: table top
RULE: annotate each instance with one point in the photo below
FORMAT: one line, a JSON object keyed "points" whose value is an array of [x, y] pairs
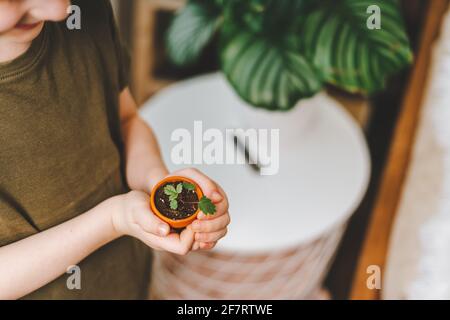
{"points": [[324, 162]]}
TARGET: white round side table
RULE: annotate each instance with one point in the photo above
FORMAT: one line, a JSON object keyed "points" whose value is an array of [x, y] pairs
{"points": [[285, 227]]}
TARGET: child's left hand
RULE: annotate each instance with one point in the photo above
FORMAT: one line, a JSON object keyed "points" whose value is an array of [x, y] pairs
{"points": [[208, 228]]}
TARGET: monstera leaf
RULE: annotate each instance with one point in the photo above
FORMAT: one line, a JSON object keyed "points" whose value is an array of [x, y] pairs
{"points": [[192, 30], [337, 40]]}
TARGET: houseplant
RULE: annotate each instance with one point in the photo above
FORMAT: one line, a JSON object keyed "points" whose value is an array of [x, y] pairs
{"points": [[177, 201], [276, 52]]}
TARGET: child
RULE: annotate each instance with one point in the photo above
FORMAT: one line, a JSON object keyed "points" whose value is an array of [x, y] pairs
{"points": [[72, 146]]}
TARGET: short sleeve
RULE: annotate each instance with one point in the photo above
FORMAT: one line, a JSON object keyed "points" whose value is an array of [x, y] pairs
{"points": [[99, 24], [121, 51]]}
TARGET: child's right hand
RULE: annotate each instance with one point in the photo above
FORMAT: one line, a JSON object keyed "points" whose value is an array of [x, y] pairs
{"points": [[134, 217]]}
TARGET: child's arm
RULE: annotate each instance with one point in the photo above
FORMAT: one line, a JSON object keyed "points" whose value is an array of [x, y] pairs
{"points": [[145, 168], [31, 263]]}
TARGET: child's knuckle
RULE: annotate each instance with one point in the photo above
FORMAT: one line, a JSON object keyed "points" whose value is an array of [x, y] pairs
{"points": [[207, 227]]}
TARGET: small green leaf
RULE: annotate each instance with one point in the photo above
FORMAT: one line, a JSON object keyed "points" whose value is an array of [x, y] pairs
{"points": [[170, 190], [179, 188], [206, 206], [188, 186], [173, 197], [173, 204]]}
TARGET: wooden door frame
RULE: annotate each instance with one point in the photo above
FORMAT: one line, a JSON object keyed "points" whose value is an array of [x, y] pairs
{"points": [[376, 243]]}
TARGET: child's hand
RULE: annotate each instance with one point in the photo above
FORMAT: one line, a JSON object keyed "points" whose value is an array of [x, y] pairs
{"points": [[135, 218], [208, 228]]}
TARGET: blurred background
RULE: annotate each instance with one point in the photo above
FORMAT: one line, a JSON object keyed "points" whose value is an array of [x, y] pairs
{"points": [[393, 223]]}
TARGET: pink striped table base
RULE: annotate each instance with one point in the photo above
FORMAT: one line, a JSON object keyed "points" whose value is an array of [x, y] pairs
{"points": [[295, 273]]}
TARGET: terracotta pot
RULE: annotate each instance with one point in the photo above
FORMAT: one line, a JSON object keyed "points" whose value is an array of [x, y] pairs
{"points": [[175, 223]]}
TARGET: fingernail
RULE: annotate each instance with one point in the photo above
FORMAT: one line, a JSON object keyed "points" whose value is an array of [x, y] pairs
{"points": [[163, 229], [216, 197], [201, 215], [204, 245]]}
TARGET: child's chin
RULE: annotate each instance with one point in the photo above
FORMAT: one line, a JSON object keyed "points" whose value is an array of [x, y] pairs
{"points": [[19, 35]]}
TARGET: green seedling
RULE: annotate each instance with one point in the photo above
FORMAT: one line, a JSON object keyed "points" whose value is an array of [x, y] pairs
{"points": [[205, 204]]}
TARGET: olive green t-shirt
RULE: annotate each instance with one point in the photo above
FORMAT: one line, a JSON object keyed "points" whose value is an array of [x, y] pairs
{"points": [[60, 147]]}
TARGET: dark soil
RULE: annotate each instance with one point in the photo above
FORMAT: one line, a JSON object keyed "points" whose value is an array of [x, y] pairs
{"points": [[187, 202]]}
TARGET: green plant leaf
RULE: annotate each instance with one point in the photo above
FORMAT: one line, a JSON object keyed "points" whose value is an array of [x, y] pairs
{"points": [[271, 17], [173, 197], [267, 72], [206, 206], [188, 186], [275, 52], [336, 38], [170, 190], [192, 29], [179, 188], [173, 204]]}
